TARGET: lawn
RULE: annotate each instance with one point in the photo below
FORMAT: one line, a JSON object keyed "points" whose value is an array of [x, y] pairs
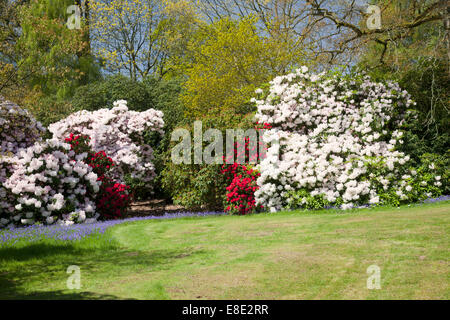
{"points": [[287, 255]]}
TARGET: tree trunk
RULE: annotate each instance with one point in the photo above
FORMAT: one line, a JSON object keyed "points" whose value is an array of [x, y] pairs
{"points": [[447, 35]]}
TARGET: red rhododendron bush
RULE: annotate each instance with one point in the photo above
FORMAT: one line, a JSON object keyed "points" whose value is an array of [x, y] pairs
{"points": [[240, 193], [240, 197], [113, 197]]}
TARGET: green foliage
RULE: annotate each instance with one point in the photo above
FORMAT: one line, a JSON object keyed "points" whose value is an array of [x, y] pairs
{"points": [[435, 170], [430, 178], [8, 37], [140, 95], [195, 186], [50, 109], [302, 199], [428, 83], [102, 94], [390, 198], [165, 97], [429, 130], [420, 139], [52, 57]]}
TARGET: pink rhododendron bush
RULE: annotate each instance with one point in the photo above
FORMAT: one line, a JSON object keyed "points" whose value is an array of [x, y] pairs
{"points": [[120, 133], [48, 183], [18, 128], [334, 142]]}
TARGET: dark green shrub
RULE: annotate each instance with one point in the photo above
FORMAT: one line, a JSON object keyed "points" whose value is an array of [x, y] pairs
{"points": [[51, 109], [102, 94]]}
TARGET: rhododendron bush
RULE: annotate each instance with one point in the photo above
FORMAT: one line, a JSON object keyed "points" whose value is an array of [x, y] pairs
{"points": [[48, 182], [113, 200], [241, 178], [18, 129], [7, 165], [240, 197], [334, 142], [120, 133]]}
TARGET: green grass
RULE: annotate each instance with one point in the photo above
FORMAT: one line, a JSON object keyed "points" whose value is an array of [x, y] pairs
{"points": [[289, 255]]}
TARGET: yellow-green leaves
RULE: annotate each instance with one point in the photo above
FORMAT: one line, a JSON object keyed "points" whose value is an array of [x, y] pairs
{"points": [[229, 60]]}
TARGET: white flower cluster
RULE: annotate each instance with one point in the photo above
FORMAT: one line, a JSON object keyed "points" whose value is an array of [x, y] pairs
{"points": [[47, 183], [18, 128], [327, 132], [119, 132]]}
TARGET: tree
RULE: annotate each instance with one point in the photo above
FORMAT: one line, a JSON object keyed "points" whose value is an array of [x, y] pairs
{"points": [[9, 33], [102, 94], [181, 27], [419, 59], [39, 53], [127, 35], [52, 56], [229, 61], [399, 19]]}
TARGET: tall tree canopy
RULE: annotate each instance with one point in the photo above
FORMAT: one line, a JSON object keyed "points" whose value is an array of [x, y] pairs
{"points": [[128, 36], [419, 59], [53, 57], [334, 31], [40, 52]]}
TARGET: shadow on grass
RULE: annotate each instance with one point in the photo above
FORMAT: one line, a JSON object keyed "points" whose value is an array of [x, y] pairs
{"points": [[10, 292], [25, 272]]}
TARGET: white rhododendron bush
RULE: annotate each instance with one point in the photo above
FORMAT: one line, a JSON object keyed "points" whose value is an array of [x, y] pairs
{"points": [[120, 133], [18, 128], [334, 142], [48, 183]]}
